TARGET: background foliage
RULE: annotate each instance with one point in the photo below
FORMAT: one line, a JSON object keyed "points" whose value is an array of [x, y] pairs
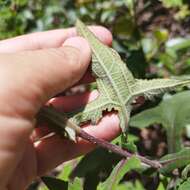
{"points": [[152, 36]]}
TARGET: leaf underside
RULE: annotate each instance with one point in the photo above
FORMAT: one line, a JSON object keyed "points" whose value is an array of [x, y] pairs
{"points": [[116, 85]]}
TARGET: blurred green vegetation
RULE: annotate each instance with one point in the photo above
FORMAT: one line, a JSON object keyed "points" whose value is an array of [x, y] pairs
{"points": [[152, 37], [145, 32]]}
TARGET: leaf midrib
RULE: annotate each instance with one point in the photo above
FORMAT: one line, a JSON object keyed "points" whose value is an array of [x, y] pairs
{"points": [[111, 81]]}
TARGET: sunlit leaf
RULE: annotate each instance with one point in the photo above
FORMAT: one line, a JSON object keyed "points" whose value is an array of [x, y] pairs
{"points": [[172, 3], [185, 185], [66, 171], [76, 185], [178, 43]]}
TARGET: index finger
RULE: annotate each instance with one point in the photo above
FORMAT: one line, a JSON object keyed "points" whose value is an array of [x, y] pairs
{"points": [[49, 39]]}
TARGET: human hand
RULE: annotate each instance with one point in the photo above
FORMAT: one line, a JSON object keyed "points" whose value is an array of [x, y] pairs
{"points": [[34, 68]]}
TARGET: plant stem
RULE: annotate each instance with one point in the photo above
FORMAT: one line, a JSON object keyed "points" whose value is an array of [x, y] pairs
{"points": [[116, 149], [50, 115]]}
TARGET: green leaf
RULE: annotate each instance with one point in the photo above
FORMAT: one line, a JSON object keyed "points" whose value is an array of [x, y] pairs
{"points": [[95, 158], [66, 171], [177, 44], [185, 185], [172, 3], [93, 165], [130, 146], [170, 116], [161, 35], [116, 84], [149, 46], [58, 184], [185, 172], [55, 184], [175, 160], [76, 185], [183, 12], [161, 186], [118, 173], [124, 26]]}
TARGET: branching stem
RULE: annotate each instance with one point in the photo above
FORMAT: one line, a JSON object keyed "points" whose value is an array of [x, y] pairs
{"points": [[50, 115]]}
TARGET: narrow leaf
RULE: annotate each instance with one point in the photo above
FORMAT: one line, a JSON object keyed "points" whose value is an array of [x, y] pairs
{"points": [[154, 87]]}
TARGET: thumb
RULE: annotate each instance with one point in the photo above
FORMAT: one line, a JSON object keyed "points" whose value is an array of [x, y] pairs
{"points": [[35, 76], [27, 80]]}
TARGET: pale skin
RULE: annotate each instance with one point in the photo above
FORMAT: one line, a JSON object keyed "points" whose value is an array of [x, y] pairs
{"points": [[33, 69]]}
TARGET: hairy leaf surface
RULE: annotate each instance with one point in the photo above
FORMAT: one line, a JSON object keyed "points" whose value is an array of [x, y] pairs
{"points": [[116, 84]]}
